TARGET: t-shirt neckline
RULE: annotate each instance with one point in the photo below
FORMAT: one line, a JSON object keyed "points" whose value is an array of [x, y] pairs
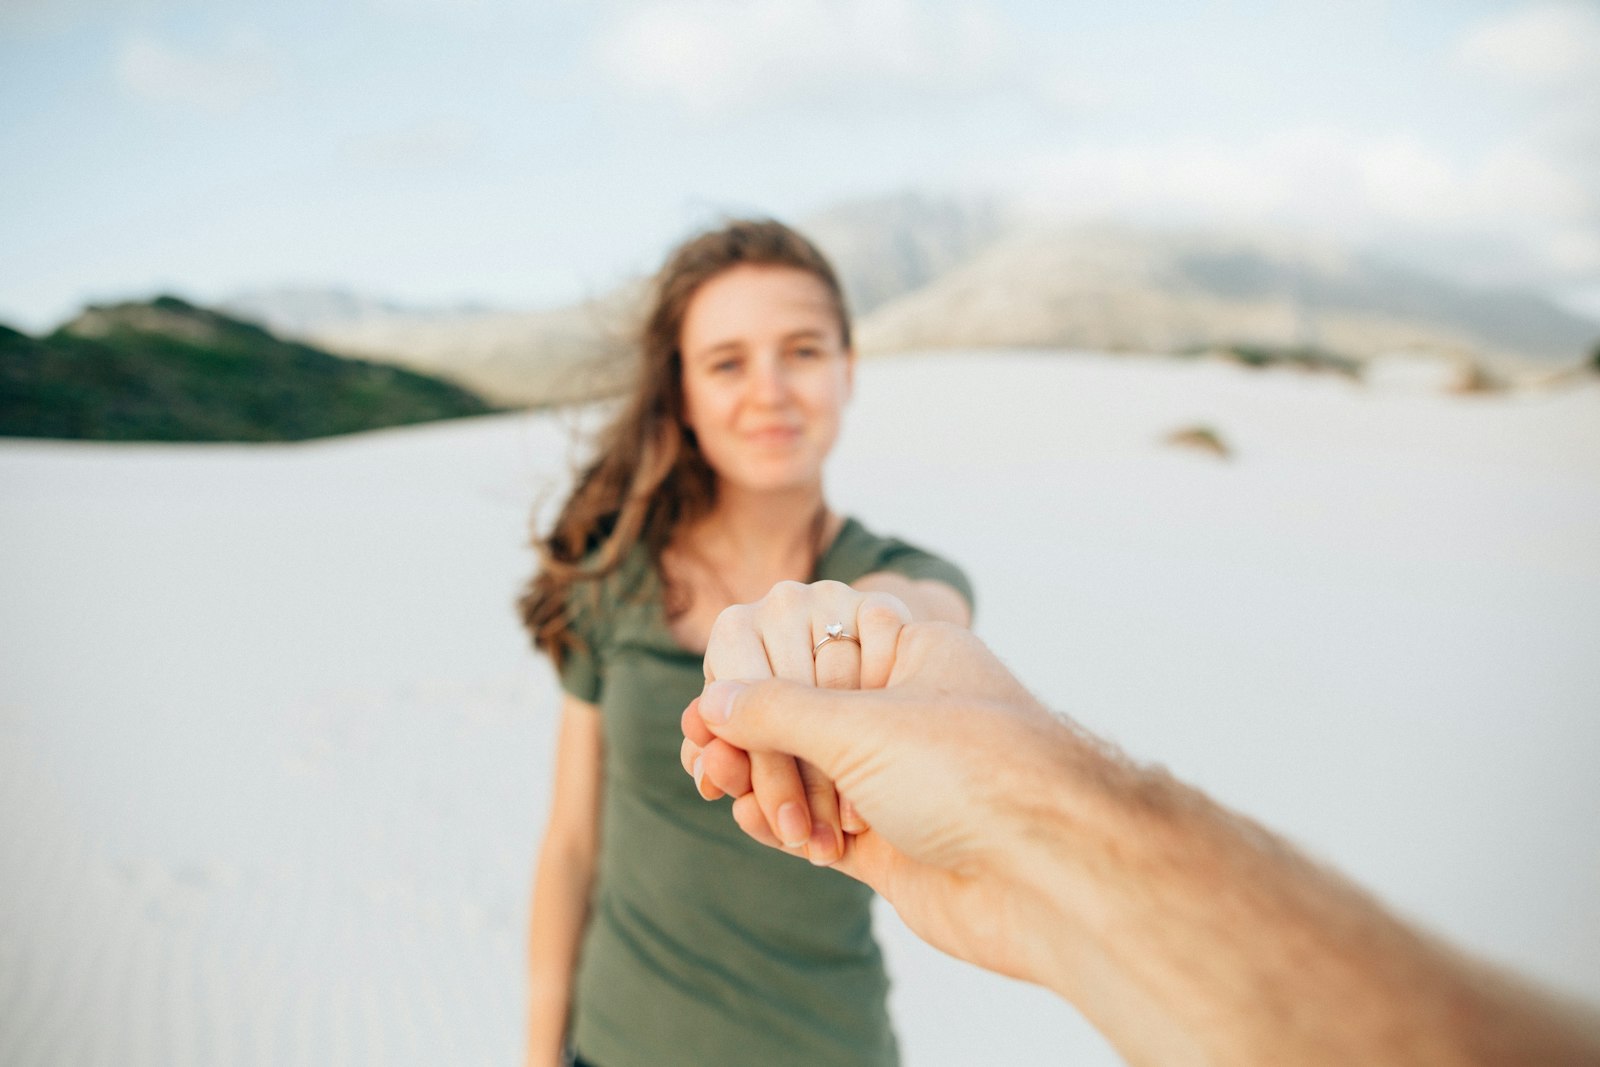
{"points": [[659, 604]]}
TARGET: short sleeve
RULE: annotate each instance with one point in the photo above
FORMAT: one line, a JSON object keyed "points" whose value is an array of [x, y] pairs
{"points": [[580, 661], [909, 561]]}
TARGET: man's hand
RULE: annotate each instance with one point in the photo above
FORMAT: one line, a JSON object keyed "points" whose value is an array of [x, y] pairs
{"points": [[796, 806], [1184, 932], [940, 764]]}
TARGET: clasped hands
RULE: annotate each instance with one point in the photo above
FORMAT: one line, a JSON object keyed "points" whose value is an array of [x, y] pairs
{"points": [[1015, 840], [921, 784], [778, 800]]}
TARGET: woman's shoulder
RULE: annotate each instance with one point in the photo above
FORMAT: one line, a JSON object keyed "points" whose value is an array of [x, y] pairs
{"points": [[856, 540], [858, 551], [599, 598]]}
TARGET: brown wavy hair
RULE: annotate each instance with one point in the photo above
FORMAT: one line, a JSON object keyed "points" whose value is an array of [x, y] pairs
{"points": [[649, 477]]}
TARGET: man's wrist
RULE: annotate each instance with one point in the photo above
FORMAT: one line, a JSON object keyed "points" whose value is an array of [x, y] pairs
{"points": [[1093, 835], [1077, 812]]}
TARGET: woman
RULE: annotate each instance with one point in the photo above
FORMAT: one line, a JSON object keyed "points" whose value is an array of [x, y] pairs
{"points": [[660, 933]]}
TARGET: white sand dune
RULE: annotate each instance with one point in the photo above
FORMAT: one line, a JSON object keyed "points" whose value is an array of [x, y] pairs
{"points": [[274, 754]]}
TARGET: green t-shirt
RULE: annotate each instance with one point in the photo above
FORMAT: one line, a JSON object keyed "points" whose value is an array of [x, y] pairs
{"points": [[704, 948]]}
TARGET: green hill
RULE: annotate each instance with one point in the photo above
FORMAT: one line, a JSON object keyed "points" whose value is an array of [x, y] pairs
{"points": [[169, 371]]}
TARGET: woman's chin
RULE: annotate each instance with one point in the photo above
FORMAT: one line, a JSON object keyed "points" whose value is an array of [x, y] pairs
{"points": [[771, 480]]}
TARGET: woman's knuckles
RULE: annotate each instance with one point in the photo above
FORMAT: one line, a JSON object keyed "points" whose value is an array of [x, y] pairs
{"points": [[783, 597], [882, 613]]}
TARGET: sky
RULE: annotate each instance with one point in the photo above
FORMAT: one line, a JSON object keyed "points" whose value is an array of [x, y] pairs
{"points": [[526, 153]]}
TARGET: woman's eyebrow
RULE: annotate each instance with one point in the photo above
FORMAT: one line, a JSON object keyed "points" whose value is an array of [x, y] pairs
{"points": [[735, 347], [718, 349]]}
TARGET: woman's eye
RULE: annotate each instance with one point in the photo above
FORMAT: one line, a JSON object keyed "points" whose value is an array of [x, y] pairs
{"points": [[725, 366], [807, 352]]}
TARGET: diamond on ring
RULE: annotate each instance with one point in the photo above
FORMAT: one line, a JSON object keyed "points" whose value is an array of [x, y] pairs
{"points": [[834, 632]]}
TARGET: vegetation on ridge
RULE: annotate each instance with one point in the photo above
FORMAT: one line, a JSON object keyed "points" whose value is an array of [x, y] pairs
{"points": [[169, 371]]}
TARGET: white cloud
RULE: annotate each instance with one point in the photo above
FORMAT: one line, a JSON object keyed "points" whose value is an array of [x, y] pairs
{"points": [[1328, 180], [1551, 54], [218, 82], [1540, 46], [713, 56]]}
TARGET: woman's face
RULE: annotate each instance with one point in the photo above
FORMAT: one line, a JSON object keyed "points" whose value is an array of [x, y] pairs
{"points": [[765, 375]]}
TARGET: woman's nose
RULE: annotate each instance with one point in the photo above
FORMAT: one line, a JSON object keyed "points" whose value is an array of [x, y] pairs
{"points": [[770, 382]]}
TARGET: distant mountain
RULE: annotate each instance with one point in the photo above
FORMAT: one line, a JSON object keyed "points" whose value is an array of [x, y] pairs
{"points": [[302, 310], [516, 357], [292, 311], [169, 371], [1127, 290], [885, 247], [882, 248], [925, 272]]}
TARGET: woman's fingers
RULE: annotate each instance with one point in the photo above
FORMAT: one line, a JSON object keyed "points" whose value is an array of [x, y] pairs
{"points": [[879, 620], [783, 620], [838, 662], [775, 782], [688, 752], [726, 768], [748, 817], [717, 767], [787, 618], [734, 650], [850, 819], [826, 842], [693, 727], [721, 770], [838, 666], [692, 757], [779, 636]]}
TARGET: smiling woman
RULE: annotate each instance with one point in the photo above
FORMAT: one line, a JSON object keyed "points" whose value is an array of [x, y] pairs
{"points": [[766, 375], [660, 933]]}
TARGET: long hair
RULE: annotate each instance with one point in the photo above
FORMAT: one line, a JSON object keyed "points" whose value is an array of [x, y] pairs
{"points": [[649, 477]]}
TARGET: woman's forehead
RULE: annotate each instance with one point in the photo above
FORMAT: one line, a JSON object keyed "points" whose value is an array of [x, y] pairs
{"points": [[753, 303]]}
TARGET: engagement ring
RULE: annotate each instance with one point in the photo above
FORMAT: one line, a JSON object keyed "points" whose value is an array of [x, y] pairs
{"points": [[835, 633]]}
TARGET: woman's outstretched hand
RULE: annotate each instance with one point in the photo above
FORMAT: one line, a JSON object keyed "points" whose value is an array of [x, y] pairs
{"points": [[778, 800]]}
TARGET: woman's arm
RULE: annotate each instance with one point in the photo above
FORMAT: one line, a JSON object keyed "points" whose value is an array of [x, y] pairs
{"points": [[563, 879]]}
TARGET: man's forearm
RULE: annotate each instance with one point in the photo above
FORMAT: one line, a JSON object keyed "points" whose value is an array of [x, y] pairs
{"points": [[1202, 937]]}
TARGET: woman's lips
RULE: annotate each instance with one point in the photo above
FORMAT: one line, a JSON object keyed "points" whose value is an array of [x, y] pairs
{"points": [[773, 435]]}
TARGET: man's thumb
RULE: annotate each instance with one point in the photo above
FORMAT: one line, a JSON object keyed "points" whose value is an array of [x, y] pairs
{"points": [[779, 716]]}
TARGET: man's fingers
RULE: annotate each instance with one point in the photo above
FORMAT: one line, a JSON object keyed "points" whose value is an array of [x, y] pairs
{"points": [[775, 716]]}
